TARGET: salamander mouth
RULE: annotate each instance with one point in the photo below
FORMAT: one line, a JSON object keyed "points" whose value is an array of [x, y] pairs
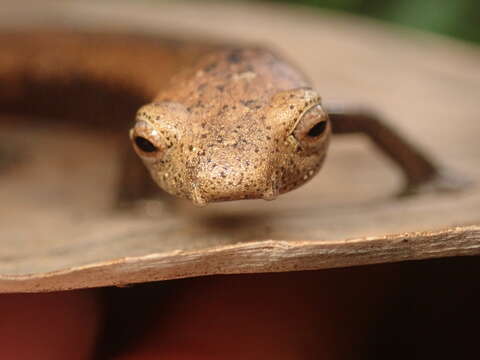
{"points": [[202, 201], [201, 193]]}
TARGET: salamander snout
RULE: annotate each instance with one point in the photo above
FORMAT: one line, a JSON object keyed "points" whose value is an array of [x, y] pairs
{"points": [[230, 176], [245, 154]]}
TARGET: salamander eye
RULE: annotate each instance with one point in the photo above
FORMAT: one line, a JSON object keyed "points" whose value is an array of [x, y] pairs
{"points": [[146, 141], [145, 145], [313, 128], [317, 129]]}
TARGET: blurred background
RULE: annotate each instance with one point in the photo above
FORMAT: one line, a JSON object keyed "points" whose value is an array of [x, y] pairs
{"points": [[457, 18]]}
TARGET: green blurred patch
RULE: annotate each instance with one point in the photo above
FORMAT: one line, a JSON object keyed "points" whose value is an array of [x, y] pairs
{"points": [[458, 18]]}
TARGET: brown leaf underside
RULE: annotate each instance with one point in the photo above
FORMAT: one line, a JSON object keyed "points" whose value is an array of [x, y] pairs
{"points": [[57, 230]]}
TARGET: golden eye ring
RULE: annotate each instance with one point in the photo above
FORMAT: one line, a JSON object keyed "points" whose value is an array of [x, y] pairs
{"points": [[145, 140], [313, 128]]}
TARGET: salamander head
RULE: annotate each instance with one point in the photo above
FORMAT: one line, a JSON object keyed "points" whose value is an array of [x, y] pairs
{"points": [[239, 135]]}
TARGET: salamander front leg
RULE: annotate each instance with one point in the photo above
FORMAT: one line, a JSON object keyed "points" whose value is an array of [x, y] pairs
{"points": [[421, 172]]}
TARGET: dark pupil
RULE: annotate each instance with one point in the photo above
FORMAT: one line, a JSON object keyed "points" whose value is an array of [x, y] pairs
{"points": [[317, 129], [145, 145]]}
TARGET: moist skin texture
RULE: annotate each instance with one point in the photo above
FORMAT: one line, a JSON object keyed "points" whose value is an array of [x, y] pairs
{"points": [[225, 129], [221, 119], [220, 122]]}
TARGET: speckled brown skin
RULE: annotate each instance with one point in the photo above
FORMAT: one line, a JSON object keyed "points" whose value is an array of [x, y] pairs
{"points": [[225, 129], [221, 122]]}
